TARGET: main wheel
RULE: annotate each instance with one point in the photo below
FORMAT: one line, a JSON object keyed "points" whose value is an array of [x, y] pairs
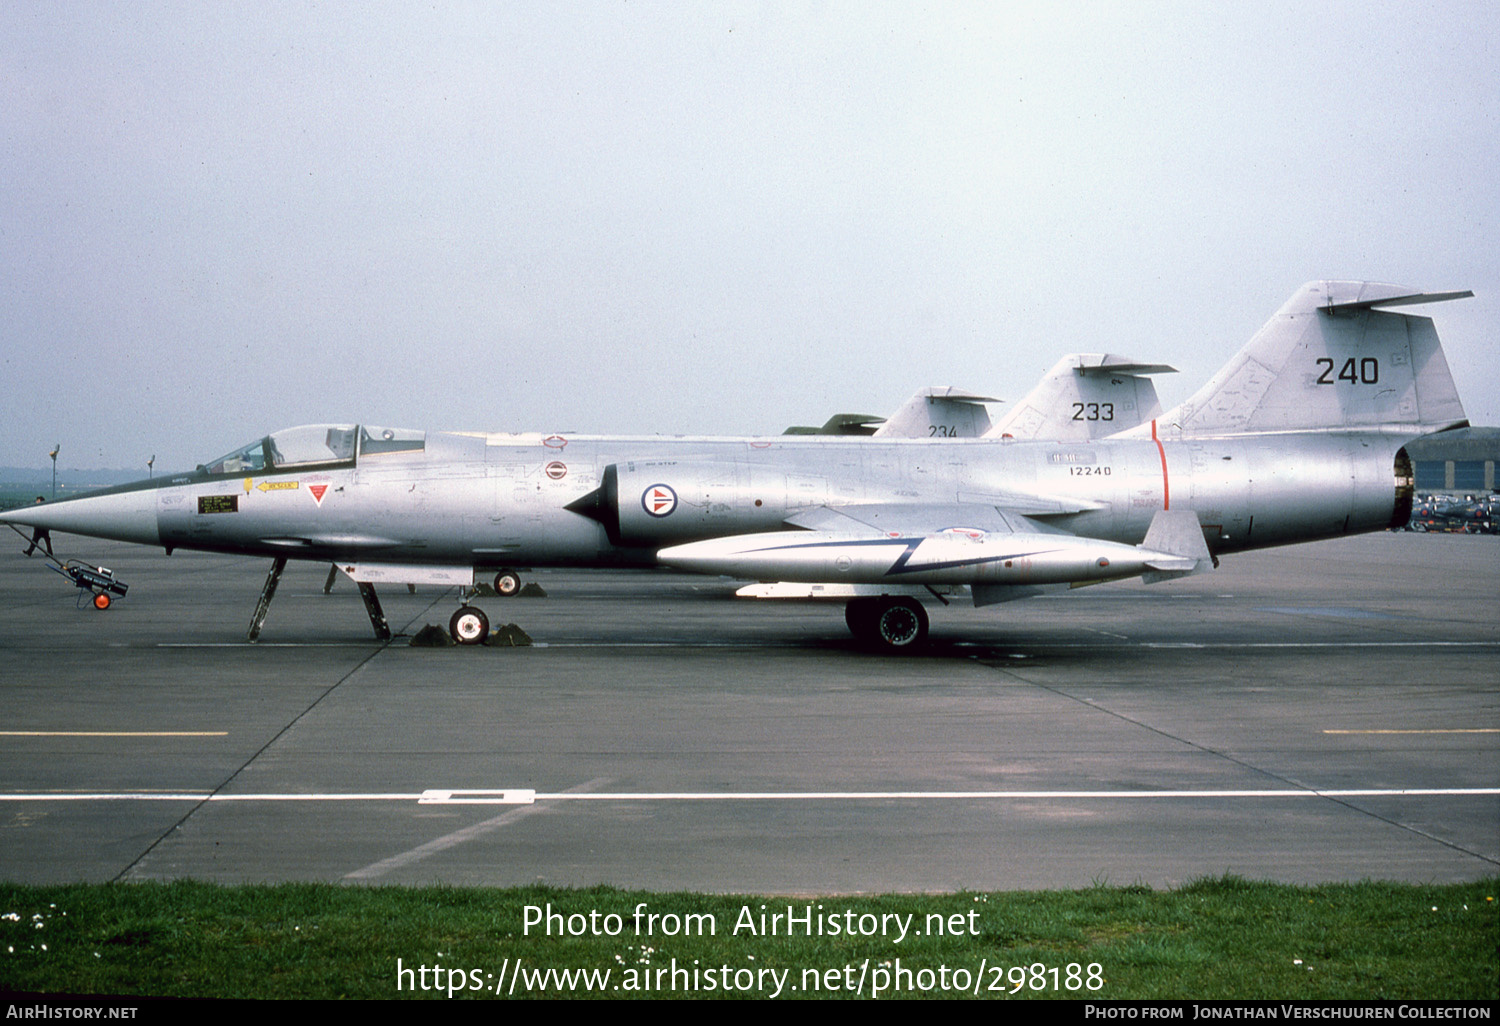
{"points": [[900, 624], [469, 626], [859, 614], [102, 601], [507, 583]]}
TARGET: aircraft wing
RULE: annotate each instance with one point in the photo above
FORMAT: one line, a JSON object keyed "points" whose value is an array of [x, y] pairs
{"points": [[1007, 513], [340, 542], [885, 519]]}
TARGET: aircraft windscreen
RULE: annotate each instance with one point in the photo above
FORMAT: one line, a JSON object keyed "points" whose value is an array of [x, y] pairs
{"points": [[317, 443], [314, 445], [249, 459]]}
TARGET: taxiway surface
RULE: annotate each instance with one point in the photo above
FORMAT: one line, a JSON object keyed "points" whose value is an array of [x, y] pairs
{"points": [[1321, 712]]}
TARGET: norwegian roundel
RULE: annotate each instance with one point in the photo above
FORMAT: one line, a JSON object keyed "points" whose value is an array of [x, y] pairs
{"points": [[659, 500]]}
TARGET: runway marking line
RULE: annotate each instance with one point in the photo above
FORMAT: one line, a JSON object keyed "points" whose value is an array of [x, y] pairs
{"points": [[1447, 730], [526, 796], [469, 833], [114, 733], [982, 645]]}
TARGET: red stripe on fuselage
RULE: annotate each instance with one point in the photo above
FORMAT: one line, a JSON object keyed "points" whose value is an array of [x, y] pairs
{"points": [[1166, 494]]}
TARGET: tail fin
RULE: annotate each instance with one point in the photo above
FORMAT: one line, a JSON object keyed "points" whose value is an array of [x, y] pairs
{"points": [[939, 413], [1331, 359], [1084, 396]]}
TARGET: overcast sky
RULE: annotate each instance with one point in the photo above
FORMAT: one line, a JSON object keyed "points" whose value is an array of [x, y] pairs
{"points": [[220, 219]]}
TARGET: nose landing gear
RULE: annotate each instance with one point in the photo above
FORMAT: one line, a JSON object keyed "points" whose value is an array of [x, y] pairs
{"points": [[469, 625]]}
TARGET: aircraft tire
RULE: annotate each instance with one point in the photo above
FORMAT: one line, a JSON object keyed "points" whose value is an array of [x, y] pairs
{"points": [[507, 583], [859, 614], [469, 626], [900, 624], [102, 601]]}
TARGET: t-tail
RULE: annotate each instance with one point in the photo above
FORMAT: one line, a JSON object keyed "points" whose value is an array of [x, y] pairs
{"points": [[1084, 396], [1337, 358]]}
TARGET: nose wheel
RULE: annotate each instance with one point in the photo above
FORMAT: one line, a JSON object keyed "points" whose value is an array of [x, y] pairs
{"points": [[469, 626]]}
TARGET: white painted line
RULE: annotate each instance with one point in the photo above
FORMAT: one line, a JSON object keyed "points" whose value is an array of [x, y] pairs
{"points": [[114, 733], [152, 797], [1033, 645], [376, 870], [516, 796], [468, 833], [372, 643], [164, 796], [524, 796], [1299, 644], [1011, 795], [780, 645], [1447, 730]]}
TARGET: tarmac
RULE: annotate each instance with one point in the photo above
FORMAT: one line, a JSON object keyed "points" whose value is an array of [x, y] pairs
{"points": [[1322, 712]]}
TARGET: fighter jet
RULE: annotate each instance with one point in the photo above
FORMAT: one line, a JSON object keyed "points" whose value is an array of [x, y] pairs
{"points": [[1299, 437], [938, 413], [1083, 396]]}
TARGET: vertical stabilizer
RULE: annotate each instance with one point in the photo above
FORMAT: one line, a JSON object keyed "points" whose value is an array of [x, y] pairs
{"points": [[1084, 396], [944, 412], [1332, 357]]}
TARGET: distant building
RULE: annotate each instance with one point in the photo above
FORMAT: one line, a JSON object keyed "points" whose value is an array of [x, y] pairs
{"points": [[1460, 462]]}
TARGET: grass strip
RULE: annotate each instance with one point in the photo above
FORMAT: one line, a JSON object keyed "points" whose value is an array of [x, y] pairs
{"points": [[1223, 938]]}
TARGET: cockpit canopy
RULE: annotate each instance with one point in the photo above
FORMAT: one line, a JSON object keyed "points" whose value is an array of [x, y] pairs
{"points": [[316, 446]]}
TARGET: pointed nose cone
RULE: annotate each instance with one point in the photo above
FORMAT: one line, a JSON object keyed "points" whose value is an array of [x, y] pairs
{"points": [[125, 515]]}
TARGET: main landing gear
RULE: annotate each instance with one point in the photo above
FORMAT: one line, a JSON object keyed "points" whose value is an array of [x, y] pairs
{"points": [[893, 623]]}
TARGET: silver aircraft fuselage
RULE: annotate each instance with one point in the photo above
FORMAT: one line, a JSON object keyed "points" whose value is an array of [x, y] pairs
{"points": [[493, 500]]}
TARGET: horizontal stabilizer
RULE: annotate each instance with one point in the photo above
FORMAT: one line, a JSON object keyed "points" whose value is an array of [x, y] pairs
{"points": [[840, 424], [1371, 296], [947, 393], [1108, 363]]}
